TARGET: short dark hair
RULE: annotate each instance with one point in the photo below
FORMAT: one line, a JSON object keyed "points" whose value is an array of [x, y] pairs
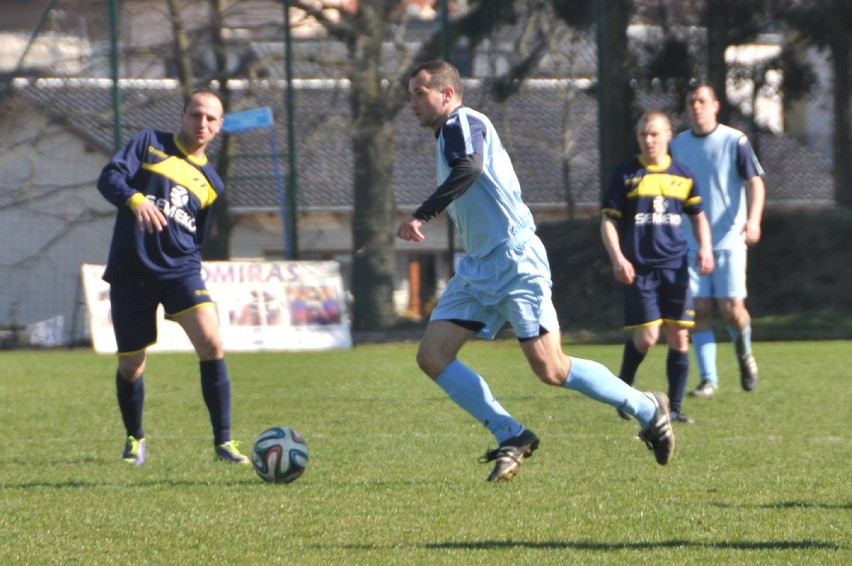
{"points": [[205, 91], [695, 84], [441, 74]]}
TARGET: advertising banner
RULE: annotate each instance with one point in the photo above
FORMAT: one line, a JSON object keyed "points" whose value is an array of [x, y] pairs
{"points": [[270, 305]]}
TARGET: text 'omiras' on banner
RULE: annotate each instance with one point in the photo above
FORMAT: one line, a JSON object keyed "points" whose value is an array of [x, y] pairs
{"points": [[270, 305]]}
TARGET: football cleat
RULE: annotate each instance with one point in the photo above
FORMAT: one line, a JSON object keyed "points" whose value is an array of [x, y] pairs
{"points": [[748, 371], [510, 455], [658, 435], [228, 452], [134, 451], [705, 389]]}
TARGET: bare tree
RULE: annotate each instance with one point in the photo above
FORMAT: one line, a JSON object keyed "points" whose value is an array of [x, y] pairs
{"points": [[182, 56], [217, 241], [614, 93], [829, 25], [376, 97]]}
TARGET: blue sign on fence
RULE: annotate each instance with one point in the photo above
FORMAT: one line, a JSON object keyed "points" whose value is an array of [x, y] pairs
{"points": [[248, 120], [236, 122]]}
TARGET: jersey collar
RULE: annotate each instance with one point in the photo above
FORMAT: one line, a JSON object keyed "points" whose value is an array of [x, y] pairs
{"points": [[667, 162]]}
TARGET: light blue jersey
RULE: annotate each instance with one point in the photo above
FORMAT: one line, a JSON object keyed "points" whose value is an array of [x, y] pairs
{"points": [[722, 162], [491, 212]]}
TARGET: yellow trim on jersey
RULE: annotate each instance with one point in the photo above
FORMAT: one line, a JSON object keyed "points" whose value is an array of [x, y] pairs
{"points": [[202, 161], [661, 184], [662, 167], [185, 175], [614, 212], [135, 200]]}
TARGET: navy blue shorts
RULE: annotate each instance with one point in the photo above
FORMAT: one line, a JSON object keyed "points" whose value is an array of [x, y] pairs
{"points": [[134, 308], [658, 296]]}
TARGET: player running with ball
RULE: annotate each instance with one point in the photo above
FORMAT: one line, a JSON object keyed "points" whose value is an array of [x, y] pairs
{"points": [[504, 276]]}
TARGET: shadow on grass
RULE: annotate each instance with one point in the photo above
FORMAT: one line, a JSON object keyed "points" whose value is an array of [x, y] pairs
{"points": [[845, 505], [72, 484], [579, 545], [805, 544]]}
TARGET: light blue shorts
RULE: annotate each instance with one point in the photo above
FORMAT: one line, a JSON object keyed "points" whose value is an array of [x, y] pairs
{"points": [[727, 281], [512, 284]]}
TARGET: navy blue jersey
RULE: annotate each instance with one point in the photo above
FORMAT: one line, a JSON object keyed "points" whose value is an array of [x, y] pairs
{"points": [[184, 188], [648, 203]]}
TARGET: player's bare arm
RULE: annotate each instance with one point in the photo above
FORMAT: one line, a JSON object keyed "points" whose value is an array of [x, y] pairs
{"points": [[622, 269], [704, 259], [757, 200]]}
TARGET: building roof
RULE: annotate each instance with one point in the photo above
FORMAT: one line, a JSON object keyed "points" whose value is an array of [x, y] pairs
{"points": [[530, 125]]}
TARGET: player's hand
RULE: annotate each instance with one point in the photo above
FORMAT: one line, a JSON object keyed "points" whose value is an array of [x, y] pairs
{"points": [[705, 261], [409, 230], [752, 233], [624, 272], [149, 218]]}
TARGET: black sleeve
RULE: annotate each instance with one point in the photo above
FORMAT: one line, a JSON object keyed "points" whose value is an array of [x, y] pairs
{"points": [[464, 172]]}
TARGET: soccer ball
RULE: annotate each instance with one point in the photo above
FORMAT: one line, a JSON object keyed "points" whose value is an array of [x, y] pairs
{"points": [[279, 455]]}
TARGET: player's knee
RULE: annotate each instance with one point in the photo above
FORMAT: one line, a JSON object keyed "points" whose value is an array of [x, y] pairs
{"points": [[211, 348], [733, 311], [131, 369], [431, 362], [645, 338], [551, 377], [645, 342], [552, 373]]}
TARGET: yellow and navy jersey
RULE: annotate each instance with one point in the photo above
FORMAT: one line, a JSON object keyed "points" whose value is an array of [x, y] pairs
{"points": [[153, 165], [648, 202]]}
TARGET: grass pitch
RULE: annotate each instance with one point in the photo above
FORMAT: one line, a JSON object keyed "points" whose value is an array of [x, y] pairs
{"points": [[761, 478]]}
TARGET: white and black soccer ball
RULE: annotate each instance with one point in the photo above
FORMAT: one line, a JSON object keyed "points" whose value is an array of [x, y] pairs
{"points": [[279, 455]]}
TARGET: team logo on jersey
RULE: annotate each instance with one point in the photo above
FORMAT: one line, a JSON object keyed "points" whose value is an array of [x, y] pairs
{"points": [[174, 208], [660, 205], [179, 197]]}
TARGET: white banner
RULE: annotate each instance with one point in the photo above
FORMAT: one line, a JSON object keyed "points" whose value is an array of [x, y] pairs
{"points": [[281, 305]]}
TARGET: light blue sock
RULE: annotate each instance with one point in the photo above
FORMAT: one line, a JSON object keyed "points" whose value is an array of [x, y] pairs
{"points": [[471, 393], [705, 355], [594, 380]]}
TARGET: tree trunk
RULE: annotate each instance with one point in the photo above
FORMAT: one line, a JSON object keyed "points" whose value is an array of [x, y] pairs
{"points": [[181, 48], [217, 244], [372, 227], [716, 22], [373, 150], [841, 146], [617, 142]]}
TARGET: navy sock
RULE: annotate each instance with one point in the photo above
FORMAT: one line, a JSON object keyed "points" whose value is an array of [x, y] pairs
{"points": [[131, 399], [216, 390], [677, 370], [630, 362]]}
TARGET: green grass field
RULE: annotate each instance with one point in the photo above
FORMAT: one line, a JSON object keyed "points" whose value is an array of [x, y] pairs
{"points": [[761, 478]]}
